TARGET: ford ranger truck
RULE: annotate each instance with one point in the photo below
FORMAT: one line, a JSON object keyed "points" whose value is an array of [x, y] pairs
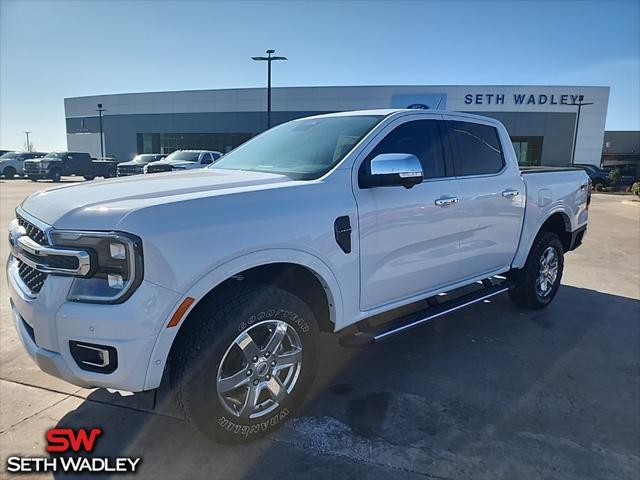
{"points": [[221, 278]]}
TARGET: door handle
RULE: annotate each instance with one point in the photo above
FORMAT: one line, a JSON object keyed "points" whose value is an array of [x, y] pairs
{"points": [[446, 201], [510, 193]]}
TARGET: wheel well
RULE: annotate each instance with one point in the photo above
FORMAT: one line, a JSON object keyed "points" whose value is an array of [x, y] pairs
{"points": [[296, 279], [558, 223]]}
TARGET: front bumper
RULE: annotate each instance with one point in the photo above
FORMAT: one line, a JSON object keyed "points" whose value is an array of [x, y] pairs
{"points": [[47, 322]]}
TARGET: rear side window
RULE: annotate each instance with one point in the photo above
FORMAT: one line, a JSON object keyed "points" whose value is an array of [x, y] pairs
{"points": [[479, 149], [420, 138]]}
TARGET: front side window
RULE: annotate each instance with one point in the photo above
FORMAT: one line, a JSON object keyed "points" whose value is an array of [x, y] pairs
{"points": [[302, 149], [420, 138], [9, 155], [479, 149], [57, 155]]}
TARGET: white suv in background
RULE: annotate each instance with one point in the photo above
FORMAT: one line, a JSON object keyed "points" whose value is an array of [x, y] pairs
{"points": [[183, 160], [13, 162]]}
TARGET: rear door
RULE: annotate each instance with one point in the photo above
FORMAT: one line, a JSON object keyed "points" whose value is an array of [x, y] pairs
{"points": [[408, 244], [492, 196]]}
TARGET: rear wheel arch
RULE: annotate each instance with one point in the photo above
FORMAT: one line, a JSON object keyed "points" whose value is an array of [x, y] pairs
{"points": [[559, 224]]}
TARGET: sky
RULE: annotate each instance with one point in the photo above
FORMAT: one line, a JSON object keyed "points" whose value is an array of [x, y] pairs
{"points": [[50, 50]]}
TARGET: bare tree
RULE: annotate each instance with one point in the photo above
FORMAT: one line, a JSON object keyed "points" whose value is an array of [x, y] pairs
{"points": [[28, 147]]}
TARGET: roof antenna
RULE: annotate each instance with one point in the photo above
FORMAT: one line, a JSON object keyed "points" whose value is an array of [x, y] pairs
{"points": [[438, 104]]}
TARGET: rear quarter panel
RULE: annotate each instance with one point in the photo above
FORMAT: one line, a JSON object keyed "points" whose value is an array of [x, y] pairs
{"points": [[548, 193]]}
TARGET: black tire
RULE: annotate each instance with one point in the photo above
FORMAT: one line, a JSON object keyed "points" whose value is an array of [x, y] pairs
{"points": [[89, 177], [524, 291], [55, 175], [209, 339], [9, 172], [597, 185]]}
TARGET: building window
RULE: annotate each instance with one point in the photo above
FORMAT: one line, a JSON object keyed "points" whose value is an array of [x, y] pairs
{"points": [[170, 142], [528, 150], [147, 143]]}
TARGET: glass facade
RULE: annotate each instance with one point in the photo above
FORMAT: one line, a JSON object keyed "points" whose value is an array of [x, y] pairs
{"points": [[528, 150], [169, 142]]}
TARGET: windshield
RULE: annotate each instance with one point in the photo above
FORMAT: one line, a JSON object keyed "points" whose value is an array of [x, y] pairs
{"points": [[143, 158], [54, 155], [9, 155], [183, 156], [302, 149]]}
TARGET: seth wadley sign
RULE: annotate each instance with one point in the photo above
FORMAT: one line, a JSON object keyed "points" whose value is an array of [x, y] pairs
{"points": [[520, 99]]}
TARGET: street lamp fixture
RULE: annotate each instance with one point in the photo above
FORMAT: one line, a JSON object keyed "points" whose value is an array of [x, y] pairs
{"points": [[580, 103], [100, 110], [269, 58]]}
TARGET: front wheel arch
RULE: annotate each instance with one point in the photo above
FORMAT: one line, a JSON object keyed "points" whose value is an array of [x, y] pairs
{"points": [[224, 275]]}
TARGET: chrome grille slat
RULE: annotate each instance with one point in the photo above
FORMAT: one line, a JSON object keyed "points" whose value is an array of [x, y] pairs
{"points": [[31, 277]]}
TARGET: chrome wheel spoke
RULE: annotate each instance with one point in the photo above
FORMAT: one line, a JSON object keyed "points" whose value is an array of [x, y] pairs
{"points": [[250, 401], [276, 338], [233, 381], [276, 389], [248, 346], [289, 359]]}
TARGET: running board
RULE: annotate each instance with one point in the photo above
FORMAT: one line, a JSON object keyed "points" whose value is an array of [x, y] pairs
{"points": [[402, 324]]}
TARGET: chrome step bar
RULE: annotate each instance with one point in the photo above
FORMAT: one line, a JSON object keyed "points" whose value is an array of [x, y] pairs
{"points": [[368, 336]]}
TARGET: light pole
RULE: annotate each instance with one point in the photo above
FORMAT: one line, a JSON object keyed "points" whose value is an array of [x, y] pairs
{"points": [[580, 104], [28, 144], [269, 58], [100, 110]]}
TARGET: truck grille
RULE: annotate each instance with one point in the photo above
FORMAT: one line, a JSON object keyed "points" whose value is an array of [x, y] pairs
{"points": [[159, 168], [124, 170], [31, 167], [31, 277]]}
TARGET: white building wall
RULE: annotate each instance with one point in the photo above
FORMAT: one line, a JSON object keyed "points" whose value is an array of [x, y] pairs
{"points": [[457, 98]]}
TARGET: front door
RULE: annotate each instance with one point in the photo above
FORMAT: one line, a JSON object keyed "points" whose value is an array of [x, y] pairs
{"points": [[408, 243]]}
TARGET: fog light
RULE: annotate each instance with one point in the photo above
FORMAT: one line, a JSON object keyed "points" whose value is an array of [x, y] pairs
{"points": [[115, 281]]}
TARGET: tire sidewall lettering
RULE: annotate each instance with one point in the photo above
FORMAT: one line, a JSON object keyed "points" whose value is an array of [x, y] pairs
{"points": [[247, 430], [276, 314]]}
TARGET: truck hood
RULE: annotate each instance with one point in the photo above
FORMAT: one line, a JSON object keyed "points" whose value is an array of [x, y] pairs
{"points": [[101, 204]]}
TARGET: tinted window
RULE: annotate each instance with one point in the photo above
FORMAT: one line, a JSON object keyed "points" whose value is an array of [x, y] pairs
{"points": [[205, 158], [479, 149], [420, 138]]}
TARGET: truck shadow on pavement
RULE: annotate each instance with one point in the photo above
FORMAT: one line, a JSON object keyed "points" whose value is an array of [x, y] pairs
{"points": [[493, 391]]}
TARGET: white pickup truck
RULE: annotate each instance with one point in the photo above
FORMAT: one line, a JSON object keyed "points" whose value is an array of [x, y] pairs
{"points": [[222, 278]]}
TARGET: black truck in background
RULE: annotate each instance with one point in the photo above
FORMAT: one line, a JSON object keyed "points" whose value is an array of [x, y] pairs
{"points": [[58, 164]]}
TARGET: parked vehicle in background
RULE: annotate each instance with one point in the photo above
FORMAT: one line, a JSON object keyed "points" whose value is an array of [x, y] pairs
{"points": [[598, 176], [55, 165], [136, 166], [223, 280], [183, 160], [12, 163], [2, 152]]}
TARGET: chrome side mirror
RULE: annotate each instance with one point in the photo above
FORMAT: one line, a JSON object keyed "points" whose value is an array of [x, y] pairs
{"points": [[393, 169]]}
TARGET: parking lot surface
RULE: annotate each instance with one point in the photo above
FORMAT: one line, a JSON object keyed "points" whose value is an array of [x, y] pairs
{"points": [[489, 392]]}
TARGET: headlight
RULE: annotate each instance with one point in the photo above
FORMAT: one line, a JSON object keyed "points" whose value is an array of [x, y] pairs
{"points": [[44, 164], [116, 265]]}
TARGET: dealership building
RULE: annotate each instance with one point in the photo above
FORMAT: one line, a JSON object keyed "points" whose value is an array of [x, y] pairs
{"points": [[541, 119]]}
